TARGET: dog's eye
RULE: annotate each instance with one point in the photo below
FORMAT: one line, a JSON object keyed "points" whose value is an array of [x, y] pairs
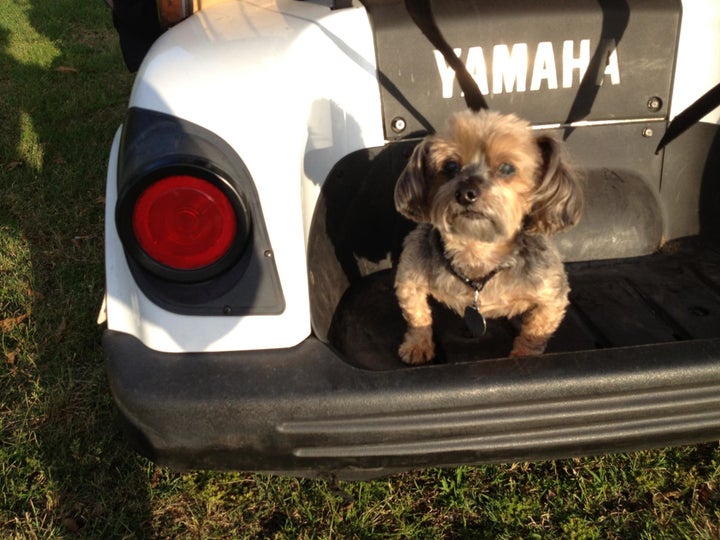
{"points": [[506, 170], [451, 167]]}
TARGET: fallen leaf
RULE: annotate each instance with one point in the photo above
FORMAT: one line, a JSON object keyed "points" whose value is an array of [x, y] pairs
{"points": [[706, 493], [8, 324], [14, 165], [11, 356], [61, 328], [80, 238], [66, 69], [156, 477], [71, 524], [37, 295], [98, 509]]}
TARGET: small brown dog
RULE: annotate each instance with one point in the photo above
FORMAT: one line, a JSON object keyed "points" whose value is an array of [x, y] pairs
{"points": [[486, 195]]}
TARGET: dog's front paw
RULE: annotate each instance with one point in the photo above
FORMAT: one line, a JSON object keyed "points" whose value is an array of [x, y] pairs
{"points": [[417, 347], [525, 346]]}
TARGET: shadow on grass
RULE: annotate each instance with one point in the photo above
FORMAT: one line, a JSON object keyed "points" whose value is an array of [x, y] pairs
{"points": [[63, 89]]}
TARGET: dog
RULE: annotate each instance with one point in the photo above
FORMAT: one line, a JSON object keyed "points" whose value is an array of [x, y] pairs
{"points": [[486, 194]]}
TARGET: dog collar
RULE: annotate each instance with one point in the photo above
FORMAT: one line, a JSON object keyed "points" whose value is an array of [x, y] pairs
{"points": [[474, 319], [478, 284]]}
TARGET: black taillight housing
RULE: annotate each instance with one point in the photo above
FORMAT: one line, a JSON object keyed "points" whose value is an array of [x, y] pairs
{"points": [[190, 220], [184, 222]]}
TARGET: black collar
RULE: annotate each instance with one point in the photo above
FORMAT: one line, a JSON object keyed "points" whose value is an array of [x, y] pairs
{"points": [[478, 284]]}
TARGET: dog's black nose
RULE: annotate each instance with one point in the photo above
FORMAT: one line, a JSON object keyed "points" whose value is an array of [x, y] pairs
{"points": [[466, 195]]}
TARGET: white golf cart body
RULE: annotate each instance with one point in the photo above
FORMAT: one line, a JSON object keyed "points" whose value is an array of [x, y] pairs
{"points": [[316, 108]]}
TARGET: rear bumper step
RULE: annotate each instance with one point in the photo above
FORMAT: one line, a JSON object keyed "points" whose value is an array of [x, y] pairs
{"points": [[304, 411]]}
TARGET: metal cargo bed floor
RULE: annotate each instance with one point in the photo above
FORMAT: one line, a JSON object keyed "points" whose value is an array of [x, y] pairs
{"points": [[672, 295]]}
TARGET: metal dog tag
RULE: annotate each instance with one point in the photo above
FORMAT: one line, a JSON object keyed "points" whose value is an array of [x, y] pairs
{"points": [[475, 321]]}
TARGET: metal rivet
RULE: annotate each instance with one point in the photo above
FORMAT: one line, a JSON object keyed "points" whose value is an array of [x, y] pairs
{"points": [[398, 124], [647, 132], [227, 310], [654, 104], [268, 253]]}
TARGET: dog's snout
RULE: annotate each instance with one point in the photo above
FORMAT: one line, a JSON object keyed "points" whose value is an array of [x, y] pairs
{"points": [[468, 192], [466, 195]]}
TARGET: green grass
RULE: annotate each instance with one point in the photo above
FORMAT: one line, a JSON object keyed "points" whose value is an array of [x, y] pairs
{"points": [[65, 468]]}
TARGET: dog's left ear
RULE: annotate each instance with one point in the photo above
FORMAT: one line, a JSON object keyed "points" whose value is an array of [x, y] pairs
{"points": [[558, 199]]}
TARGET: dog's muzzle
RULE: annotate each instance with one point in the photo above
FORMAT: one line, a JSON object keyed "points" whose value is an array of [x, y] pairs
{"points": [[468, 191]]}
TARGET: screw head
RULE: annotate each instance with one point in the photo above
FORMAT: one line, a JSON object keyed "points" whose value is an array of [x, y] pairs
{"points": [[654, 104], [647, 132], [398, 124]]}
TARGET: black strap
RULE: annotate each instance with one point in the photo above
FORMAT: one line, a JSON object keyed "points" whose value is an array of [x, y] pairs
{"points": [[705, 104], [478, 284], [615, 19], [421, 13]]}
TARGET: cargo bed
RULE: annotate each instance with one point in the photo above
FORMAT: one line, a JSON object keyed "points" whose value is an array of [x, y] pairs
{"points": [[672, 295]]}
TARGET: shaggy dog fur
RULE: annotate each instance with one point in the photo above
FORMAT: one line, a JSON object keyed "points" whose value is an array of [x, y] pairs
{"points": [[486, 194]]}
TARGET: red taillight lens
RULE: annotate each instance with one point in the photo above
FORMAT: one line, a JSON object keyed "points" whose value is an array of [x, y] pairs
{"points": [[184, 222]]}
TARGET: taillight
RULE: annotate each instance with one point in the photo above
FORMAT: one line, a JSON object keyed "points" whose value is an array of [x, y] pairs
{"points": [[184, 223]]}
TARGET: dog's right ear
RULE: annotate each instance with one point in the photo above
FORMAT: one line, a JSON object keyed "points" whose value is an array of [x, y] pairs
{"points": [[410, 189]]}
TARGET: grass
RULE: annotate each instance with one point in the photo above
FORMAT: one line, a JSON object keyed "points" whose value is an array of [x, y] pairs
{"points": [[65, 468]]}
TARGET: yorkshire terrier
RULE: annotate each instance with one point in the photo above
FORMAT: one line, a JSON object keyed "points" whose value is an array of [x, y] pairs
{"points": [[486, 194]]}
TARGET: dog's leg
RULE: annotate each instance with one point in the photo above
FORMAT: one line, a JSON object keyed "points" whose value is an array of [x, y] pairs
{"points": [[417, 346], [538, 326]]}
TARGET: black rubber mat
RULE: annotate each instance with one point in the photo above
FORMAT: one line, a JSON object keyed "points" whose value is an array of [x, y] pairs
{"points": [[672, 295]]}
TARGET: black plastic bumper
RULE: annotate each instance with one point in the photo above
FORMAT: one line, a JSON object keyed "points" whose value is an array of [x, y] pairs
{"points": [[305, 412]]}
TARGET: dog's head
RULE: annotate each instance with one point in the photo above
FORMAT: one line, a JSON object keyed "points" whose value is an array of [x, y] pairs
{"points": [[488, 177]]}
